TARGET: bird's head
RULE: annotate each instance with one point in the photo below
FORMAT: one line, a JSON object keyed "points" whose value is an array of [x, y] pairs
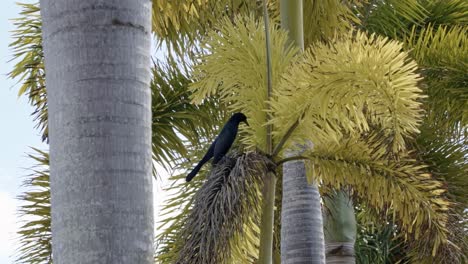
{"points": [[239, 117]]}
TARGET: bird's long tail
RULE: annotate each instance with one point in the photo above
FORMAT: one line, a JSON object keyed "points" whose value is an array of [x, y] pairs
{"points": [[194, 172], [205, 159]]}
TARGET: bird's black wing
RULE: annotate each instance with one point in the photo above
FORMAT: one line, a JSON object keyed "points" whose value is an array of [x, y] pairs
{"points": [[209, 154], [224, 142]]}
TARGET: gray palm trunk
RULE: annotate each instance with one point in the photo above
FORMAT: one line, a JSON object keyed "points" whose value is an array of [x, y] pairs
{"points": [[302, 239], [97, 59], [339, 228]]}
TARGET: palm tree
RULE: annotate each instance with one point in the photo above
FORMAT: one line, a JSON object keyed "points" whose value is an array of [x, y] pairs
{"points": [[167, 22], [235, 49], [302, 238], [414, 23], [99, 113], [172, 115]]}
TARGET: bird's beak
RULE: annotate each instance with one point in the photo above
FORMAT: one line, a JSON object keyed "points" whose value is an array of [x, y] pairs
{"points": [[247, 123]]}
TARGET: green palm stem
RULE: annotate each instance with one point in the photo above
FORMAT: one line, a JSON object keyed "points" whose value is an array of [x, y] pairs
{"points": [[267, 221], [339, 228], [268, 192], [292, 21]]}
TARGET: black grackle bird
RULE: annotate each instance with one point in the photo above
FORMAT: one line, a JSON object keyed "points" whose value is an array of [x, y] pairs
{"points": [[221, 144]]}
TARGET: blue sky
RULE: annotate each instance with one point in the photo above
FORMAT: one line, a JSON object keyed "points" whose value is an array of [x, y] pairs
{"points": [[17, 135]]}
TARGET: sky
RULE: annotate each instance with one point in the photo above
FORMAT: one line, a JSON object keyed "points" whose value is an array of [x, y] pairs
{"points": [[17, 136]]}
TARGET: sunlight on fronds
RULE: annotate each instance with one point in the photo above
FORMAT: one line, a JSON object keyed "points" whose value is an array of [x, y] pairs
{"points": [[218, 223], [391, 17], [443, 54], [323, 19], [35, 238], [344, 88], [29, 66], [181, 24], [235, 68], [415, 197]]}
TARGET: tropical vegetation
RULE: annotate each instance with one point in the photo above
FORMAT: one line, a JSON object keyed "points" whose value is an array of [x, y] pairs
{"points": [[380, 90]]}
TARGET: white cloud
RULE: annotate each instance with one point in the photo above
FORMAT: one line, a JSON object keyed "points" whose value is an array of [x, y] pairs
{"points": [[8, 227]]}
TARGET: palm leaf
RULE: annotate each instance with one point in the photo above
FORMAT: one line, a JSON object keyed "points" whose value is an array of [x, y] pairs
{"points": [[446, 12], [386, 183], [176, 207], [442, 53], [234, 69], [390, 17], [177, 122], [181, 24], [218, 223], [346, 87], [324, 19], [446, 159], [35, 238], [379, 240], [29, 68]]}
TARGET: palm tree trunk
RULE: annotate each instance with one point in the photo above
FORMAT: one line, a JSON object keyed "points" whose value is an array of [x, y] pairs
{"points": [[340, 252], [340, 228], [302, 238], [97, 59]]}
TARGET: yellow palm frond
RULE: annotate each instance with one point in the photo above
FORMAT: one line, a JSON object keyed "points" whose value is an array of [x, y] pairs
{"points": [[235, 68], [403, 186], [182, 23], [344, 87]]}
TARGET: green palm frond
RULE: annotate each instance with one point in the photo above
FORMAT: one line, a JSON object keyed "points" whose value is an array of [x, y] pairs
{"points": [[29, 68], [344, 88], [35, 238], [176, 209], [379, 240], [447, 161], [442, 53], [390, 17], [323, 19], [218, 223], [446, 12], [386, 183], [177, 206], [176, 121], [235, 69]]}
